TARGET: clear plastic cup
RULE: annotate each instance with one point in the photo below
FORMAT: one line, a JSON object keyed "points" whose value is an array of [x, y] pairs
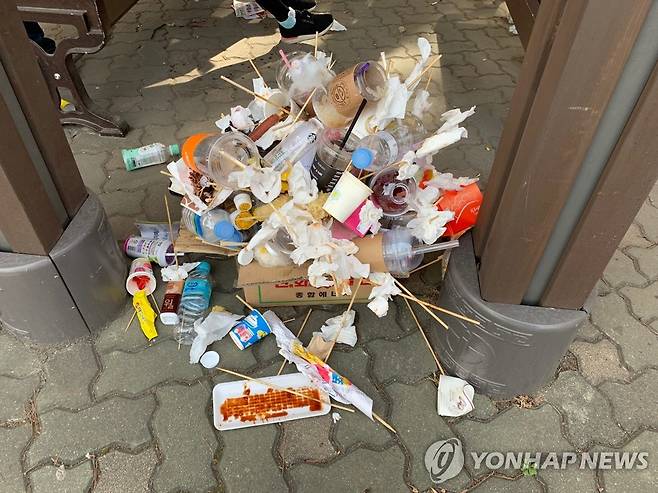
{"points": [[330, 160]]}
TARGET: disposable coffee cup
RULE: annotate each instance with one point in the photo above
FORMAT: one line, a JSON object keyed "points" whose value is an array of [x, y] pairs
{"points": [[330, 160], [348, 194], [140, 267]]}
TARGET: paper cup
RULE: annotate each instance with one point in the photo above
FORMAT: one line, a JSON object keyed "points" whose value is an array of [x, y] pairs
{"points": [[348, 194], [140, 267], [354, 220], [465, 203]]}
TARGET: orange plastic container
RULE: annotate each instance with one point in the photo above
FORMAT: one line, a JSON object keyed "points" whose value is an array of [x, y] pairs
{"points": [[465, 203]]}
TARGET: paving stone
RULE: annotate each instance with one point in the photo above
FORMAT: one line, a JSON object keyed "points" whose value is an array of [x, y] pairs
{"points": [[14, 396], [634, 237], [588, 332], [500, 485], [231, 357], [419, 426], [643, 300], [621, 481], [568, 480], [621, 271], [588, 414], [407, 360], [599, 362], [242, 467], [384, 473], [49, 479], [307, 439], [647, 259], [17, 359], [114, 336], [484, 408], [638, 344], [515, 430], [647, 218], [629, 401], [189, 444], [75, 363], [12, 442], [370, 327], [135, 372], [122, 202], [124, 472], [70, 435]]}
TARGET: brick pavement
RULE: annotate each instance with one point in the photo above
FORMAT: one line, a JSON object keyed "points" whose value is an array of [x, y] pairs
{"points": [[116, 414]]}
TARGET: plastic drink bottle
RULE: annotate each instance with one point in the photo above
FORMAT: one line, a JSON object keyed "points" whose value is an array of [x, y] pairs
{"points": [[386, 147], [149, 155], [194, 302], [213, 226], [300, 145]]}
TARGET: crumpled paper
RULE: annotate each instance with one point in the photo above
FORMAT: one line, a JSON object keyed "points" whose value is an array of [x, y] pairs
{"points": [[421, 104], [425, 51], [301, 186], [239, 119], [393, 104], [429, 223], [341, 326], [369, 217], [264, 183], [454, 396], [177, 272], [212, 328], [447, 182], [181, 183], [408, 168], [385, 288], [449, 133]]}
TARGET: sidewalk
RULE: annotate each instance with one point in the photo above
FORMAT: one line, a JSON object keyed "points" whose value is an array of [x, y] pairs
{"points": [[116, 414]]}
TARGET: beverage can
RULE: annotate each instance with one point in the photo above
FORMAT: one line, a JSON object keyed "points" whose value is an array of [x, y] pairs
{"points": [[250, 330]]}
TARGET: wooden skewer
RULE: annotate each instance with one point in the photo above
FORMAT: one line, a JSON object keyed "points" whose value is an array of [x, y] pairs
{"points": [[427, 84], [349, 167], [303, 108], [413, 314], [232, 243], [290, 391], [383, 55], [257, 71], [389, 68], [381, 420], [234, 160], [349, 307], [131, 321], [254, 94], [420, 76], [166, 174], [245, 303], [430, 312], [443, 310], [289, 320], [427, 264], [157, 308], [315, 53], [366, 176], [299, 332], [171, 229]]}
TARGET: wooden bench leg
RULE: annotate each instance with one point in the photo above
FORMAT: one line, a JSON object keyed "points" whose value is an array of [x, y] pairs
{"points": [[62, 75]]}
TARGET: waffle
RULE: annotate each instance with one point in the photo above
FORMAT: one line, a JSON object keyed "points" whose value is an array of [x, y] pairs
{"points": [[271, 404]]}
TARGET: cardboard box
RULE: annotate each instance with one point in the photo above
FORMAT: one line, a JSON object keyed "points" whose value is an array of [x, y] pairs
{"points": [[248, 10], [285, 286]]}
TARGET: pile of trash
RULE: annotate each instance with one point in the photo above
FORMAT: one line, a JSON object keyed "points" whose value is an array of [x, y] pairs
{"points": [[327, 174]]}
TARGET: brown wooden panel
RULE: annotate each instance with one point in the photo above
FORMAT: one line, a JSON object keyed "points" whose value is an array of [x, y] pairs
{"points": [[112, 10], [531, 72], [27, 219], [590, 49], [627, 179], [32, 92], [523, 13]]}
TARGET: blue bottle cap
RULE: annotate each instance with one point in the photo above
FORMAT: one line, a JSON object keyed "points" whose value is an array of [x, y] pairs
{"points": [[224, 230], [362, 158]]}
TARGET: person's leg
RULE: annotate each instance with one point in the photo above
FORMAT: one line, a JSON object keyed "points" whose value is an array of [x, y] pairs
{"points": [[296, 25], [277, 8]]}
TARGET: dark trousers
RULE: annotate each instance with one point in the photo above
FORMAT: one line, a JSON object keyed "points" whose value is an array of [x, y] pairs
{"points": [[275, 7]]}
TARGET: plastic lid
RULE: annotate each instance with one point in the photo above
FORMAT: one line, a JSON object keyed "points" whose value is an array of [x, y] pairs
{"points": [[174, 150], [224, 230], [362, 158], [169, 318]]}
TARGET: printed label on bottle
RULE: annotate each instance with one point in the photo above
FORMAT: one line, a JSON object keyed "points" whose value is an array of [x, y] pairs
{"points": [[344, 94]]}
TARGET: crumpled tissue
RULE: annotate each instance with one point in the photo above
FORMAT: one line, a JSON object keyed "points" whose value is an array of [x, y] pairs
{"points": [[212, 328], [341, 326], [382, 293], [177, 272], [449, 133]]}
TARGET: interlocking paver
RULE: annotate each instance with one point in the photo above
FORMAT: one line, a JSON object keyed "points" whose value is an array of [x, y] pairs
{"points": [[67, 480], [643, 300], [568, 480], [17, 359], [621, 271], [12, 442], [647, 259], [621, 481], [599, 361], [14, 396], [627, 401], [295, 446], [126, 473]]}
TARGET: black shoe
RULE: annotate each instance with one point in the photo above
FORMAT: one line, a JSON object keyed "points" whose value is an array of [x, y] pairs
{"points": [[307, 5], [306, 26]]}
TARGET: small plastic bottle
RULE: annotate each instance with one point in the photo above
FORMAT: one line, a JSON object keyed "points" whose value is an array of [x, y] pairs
{"points": [[149, 155], [300, 145], [213, 226], [194, 302], [386, 147]]}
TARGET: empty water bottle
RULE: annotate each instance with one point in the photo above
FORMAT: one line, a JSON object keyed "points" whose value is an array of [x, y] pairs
{"points": [[213, 226], [149, 155], [194, 302]]}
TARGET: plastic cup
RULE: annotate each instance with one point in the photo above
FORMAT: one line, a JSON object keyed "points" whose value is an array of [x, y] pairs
{"points": [[140, 268], [330, 160], [465, 203], [348, 194]]}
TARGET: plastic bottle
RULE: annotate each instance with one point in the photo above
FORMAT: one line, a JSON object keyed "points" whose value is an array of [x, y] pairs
{"points": [[149, 155], [386, 147], [194, 302], [403, 252], [300, 145], [213, 226]]}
